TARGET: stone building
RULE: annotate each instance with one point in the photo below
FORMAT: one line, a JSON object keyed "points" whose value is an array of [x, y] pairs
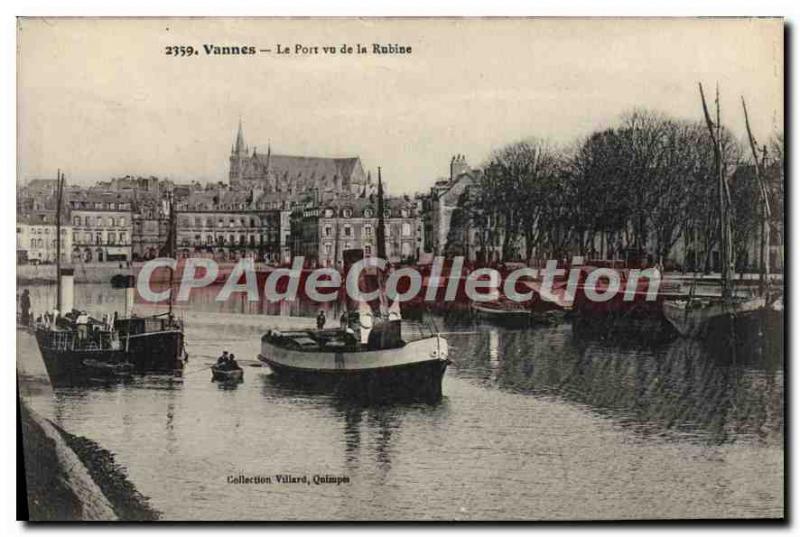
{"points": [[231, 224], [36, 238], [101, 225], [445, 196], [322, 231]]}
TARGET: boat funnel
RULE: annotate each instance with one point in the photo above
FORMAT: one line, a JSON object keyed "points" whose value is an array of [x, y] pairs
{"points": [[66, 290], [127, 282]]}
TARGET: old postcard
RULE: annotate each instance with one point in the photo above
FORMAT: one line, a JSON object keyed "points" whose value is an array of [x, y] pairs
{"points": [[362, 269]]}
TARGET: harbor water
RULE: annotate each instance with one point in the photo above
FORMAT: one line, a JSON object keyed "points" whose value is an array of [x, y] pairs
{"points": [[570, 421]]}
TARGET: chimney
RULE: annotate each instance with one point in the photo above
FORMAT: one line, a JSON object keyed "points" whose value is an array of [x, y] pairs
{"points": [[67, 290]]}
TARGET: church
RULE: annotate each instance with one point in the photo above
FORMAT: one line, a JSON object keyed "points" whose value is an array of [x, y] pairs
{"points": [[293, 175]]}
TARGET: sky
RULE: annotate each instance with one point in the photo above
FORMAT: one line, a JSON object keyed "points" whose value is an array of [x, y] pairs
{"points": [[99, 98]]}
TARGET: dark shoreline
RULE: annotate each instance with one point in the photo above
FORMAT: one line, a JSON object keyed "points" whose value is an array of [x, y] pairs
{"points": [[51, 497]]}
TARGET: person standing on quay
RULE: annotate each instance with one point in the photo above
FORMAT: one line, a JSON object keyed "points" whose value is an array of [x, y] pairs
{"points": [[25, 307]]}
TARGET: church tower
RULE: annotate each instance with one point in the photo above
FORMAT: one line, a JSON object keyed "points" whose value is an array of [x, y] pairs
{"points": [[237, 159]]}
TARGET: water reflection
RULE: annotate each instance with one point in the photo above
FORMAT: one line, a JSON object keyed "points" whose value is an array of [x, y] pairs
{"points": [[678, 386]]}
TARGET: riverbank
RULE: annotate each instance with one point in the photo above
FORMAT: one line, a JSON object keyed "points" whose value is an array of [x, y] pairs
{"points": [[84, 273], [71, 478]]}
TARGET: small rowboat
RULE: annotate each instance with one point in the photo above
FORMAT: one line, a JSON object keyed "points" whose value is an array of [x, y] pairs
{"points": [[504, 313], [226, 375]]}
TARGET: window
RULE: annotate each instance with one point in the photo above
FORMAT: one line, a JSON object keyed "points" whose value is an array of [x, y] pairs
{"points": [[368, 230], [348, 231], [406, 229], [368, 212], [112, 237], [112, 221], [367, 249], [347, 213], [328, 231], [198, 222], [122, 221], [98, 238], [76, 221], [123, 238], [99, 221], [88, 221], [327, 249]]}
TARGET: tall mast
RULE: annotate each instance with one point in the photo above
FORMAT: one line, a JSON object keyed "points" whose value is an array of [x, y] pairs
{"points": [[766, 213], [59, 196], [714, 130], [380, 234], [172, 245], [168, 250]]}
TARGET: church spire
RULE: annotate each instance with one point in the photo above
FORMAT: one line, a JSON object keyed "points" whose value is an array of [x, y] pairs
{"points": [[240, 148]]}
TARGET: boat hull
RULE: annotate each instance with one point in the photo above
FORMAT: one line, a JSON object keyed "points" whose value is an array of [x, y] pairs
{"points": [[227, 375], [74, 368], [411, 372], [505, 317], [155, 352], [709, 319]]}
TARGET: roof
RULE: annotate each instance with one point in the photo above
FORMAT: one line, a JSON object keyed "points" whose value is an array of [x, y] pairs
{"points": [[41, 218], [42, 183], [295, 167]]}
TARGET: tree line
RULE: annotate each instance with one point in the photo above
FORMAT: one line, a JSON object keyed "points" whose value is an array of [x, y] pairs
{"points": [[633, 190]]}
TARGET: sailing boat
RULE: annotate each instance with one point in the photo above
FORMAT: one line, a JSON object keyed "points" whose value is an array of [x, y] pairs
{"points": [[696, 317], [365, 358]]}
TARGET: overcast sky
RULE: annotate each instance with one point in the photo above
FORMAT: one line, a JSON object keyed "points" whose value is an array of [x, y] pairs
{"points": [[99, 98]]}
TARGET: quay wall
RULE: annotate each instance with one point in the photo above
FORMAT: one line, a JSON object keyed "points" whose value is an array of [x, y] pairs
{"points": [[47, 451], [84, 273]]}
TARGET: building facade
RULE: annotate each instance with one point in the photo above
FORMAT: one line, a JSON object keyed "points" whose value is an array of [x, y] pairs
{"points": [[101, 226], [36, 238], [322, 232], [229, 225]]}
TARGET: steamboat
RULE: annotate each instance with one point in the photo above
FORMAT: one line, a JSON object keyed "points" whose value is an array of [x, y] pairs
{"points": [[78, 349], [366, 357]]}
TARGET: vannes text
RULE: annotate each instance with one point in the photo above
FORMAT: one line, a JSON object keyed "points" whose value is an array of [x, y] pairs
{"points": [[297, 49]]}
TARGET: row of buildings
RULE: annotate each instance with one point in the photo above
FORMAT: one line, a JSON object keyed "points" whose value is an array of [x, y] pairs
{"points": [[272, 208]]}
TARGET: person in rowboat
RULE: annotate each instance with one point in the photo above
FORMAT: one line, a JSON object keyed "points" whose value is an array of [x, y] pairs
{"points": [[222, 360]]}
